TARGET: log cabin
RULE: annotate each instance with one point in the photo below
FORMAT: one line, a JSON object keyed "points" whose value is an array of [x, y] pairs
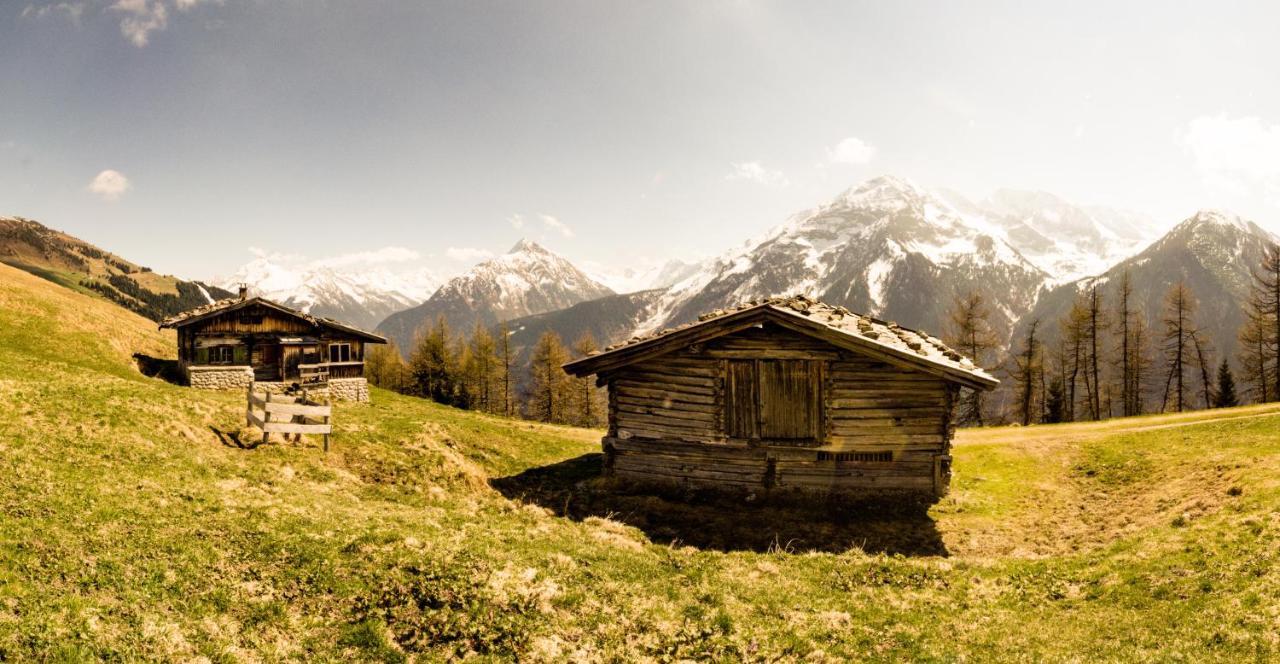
{"points": [[786, 395], [231, 343]]}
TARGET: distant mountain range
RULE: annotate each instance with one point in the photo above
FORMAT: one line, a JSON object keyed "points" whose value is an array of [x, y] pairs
{"points": [[362, 297], [76, 264], [886, 247]]}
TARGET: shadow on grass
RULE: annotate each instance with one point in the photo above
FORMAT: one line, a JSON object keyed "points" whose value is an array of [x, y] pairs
{"points": [[232, 439], [574, 489], [157, 367]]}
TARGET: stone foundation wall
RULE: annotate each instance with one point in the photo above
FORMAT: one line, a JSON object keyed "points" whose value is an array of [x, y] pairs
{"points": [[220, 377], [339, 389], [349, 389]]}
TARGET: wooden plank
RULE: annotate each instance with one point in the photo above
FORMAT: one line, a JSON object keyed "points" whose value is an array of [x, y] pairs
{"points": [[297, 409], [667, 404], [771, 354], [704, 419], [293, 427], [649, 377], [660, 389]]}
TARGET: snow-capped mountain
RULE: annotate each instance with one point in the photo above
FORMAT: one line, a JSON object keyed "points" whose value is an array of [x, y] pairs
{"points": [[526, 280], [636, 279], [361, 297], [1213, 252], [885, 247], [1067, 241]]}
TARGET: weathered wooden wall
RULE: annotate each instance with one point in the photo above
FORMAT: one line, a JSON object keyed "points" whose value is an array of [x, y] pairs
{"points": [[879, 426]]}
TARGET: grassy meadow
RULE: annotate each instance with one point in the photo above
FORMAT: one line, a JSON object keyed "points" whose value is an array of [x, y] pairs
{"points": [[140, 521]]}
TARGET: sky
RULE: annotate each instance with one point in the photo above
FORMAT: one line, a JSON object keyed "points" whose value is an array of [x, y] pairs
{"points": [[192, 135]]}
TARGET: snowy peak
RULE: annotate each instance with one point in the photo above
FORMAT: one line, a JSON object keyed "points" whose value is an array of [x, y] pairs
{"points": [[527, 246], [1220, 219], [887, 192], [527, 280]]}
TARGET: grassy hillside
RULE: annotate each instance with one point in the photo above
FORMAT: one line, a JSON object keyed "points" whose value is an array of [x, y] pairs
{"points": [[78, 265], [138, 520]]}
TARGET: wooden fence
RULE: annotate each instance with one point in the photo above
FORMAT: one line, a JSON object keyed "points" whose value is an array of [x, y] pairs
{"points": [[280, 413]]}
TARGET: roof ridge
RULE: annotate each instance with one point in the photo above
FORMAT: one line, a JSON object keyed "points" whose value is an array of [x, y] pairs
{"points": [[888, 335]]}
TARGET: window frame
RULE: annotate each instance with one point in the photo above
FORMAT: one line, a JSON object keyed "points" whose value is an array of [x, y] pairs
{"points": [[344, 346], [222, 354]]}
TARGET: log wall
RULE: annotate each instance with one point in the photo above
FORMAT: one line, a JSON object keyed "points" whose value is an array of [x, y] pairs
{"points": [[883, 427]]}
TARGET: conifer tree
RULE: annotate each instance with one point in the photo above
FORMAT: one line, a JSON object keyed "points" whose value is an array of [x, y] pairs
{"points": [[588, 399], [1255, 363], [1226, 392], [1054, 406], [1028, 365], [1178, 320], [481, 368], [504, 379], [550, 387], [384, 367], [969, 331], [432, 366], [1093, 325], [1264, 311]]}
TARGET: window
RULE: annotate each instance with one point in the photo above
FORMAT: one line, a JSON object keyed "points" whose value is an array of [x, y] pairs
{"points": [[222, 354], [774, 400], [875, 457], [339, 352]]}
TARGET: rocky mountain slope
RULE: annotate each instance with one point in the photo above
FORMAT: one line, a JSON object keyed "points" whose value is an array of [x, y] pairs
{"points": [[886, 247], [72, 262], [527, 280], [363, 297], [1213, 251], [1065, 240]]}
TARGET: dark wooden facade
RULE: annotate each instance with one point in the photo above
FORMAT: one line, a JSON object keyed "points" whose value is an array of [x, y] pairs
{"points": [[279, 343], [769, 398]]}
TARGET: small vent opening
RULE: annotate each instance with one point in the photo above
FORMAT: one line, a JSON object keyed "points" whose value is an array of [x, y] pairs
{"points": [[880, 457]]}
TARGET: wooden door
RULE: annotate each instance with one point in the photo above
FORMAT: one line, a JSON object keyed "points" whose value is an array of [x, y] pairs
{"points": [[790, 400], [778, 400], [290, 357], [742, 410]]}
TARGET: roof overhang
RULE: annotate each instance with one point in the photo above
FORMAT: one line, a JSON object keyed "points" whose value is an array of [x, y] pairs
{"points": [[242, 304], [752, 316]]}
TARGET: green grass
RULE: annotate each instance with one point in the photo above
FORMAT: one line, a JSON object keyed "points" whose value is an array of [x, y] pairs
{"points": [[139, 522]]}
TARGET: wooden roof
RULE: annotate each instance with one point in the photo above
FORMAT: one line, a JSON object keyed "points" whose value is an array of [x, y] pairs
{"points": [[222, 307], [885, 341]]}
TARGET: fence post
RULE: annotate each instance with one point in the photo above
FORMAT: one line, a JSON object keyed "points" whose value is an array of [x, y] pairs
{"points": [[266, 417], [328, 420]]}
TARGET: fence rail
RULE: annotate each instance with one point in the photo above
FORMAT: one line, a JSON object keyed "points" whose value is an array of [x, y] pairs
{"points": [[281, 413]]}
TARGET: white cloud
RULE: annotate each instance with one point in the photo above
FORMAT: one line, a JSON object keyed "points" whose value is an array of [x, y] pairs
{"points": [[142, 18], [110, 185], [516, 221], [373, 257], [139, 18], [851, 150], [72, 10], [1236, 155], [754, 172], [278, 257], [467, 254], [556, 225]]}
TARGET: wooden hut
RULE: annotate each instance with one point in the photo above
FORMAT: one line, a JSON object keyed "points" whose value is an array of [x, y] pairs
{"points": [[230, 343], [784, 394]]}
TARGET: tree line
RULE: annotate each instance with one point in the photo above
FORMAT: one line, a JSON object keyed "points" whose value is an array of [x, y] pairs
{"points": [[481, 372], [1105, 359]]}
